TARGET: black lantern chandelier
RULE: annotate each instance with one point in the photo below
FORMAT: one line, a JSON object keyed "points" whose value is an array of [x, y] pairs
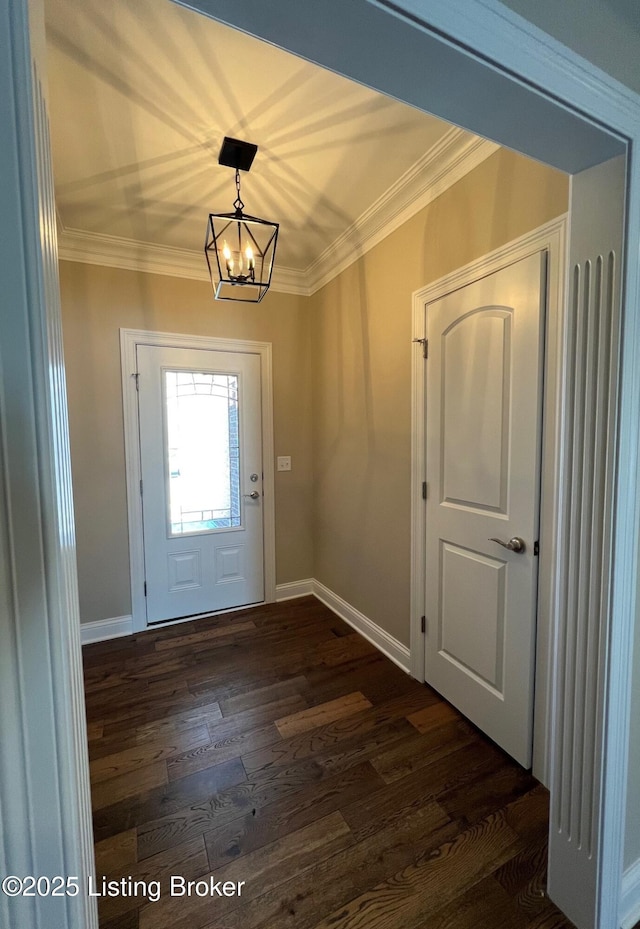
{"points": [[240, 249]]}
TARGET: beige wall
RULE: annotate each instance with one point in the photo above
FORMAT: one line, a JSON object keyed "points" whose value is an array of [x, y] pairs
{"points": [[362, 376], [96, 303], [342, 400]]}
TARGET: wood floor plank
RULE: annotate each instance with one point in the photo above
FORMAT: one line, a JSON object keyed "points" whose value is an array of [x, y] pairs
{"points": [[551, 919], [147, 752], [255, 829], [432, 716], [155, 731], [259, 696], [263, 869], [425, 749], [160, 714], [320, 715], [330, 759], [413, 895], [197, 638], [483, 906], [254, 716], [344, 649], [494, 790], [221, 749], [134, 679], [372, 674], [95, 730], [274, 745], [149, 805], [524, 879], [221, 807], [126, 921], [312, 742], [188, 860], [298, 904], [171, 692], [116, 852], [128, 785]]}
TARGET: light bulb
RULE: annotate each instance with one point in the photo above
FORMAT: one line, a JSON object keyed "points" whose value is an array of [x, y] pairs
{"points": [[226, 251]]}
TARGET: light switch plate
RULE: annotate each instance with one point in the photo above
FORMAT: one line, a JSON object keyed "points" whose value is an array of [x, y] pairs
{"points": [[284, 462]]}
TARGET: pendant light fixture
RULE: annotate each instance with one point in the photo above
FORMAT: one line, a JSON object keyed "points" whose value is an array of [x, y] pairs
{"points": [[240, 249]]}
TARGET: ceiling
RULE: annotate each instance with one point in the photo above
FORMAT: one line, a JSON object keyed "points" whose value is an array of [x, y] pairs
{"points": [[142, 93]]}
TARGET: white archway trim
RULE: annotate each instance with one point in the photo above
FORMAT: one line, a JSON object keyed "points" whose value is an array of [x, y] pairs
{"points": [[45, 803]]}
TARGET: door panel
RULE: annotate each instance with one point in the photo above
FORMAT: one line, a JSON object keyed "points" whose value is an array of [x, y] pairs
{"points": [[477, 647], [201, 459], [483, 402]]}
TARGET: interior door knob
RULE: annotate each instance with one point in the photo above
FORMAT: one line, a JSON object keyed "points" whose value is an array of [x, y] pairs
{"points": [[514, 545]]}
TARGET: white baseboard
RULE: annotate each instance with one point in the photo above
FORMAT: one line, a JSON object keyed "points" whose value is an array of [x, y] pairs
{"points": [[102, 629], [630, 897], [387, 644], [294, 589]]}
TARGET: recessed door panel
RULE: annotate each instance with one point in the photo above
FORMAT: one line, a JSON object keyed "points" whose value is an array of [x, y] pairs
{"points": [[184, 570], [471, 620], [229, 564], [476, 370]]}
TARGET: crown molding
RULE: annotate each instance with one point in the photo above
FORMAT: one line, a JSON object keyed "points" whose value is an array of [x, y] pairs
{"points": [[448, 161], [131, 255], [453, 156]]}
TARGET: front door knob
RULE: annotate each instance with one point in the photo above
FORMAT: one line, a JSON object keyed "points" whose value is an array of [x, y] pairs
{"points": [[254, 495]]}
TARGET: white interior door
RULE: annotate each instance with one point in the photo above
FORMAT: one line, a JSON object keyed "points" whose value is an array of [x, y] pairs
{"points": [[483, 406], [201, 466]]}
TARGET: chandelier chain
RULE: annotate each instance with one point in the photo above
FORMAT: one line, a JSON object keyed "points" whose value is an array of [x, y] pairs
{"points": [[238, 204]]}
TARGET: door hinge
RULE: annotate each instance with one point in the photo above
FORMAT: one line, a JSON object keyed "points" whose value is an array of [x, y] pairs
{"points": [[536, 548], [425, 346], [145, 588], [424, 490], [137, 377], [141, 487], [423, 624]]}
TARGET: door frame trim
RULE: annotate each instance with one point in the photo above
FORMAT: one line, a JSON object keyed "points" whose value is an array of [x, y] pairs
{"points": [[129, 339], [551, 237]]}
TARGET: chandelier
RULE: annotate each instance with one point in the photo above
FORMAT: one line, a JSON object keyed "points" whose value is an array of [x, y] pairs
{"points": [[240, 249]]}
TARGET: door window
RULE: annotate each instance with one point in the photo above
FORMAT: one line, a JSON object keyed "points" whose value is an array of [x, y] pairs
{"points": [[202, 448]]}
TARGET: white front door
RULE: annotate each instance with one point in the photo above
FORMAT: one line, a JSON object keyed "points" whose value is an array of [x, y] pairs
{"points": [[201, 465], [483, 408]]}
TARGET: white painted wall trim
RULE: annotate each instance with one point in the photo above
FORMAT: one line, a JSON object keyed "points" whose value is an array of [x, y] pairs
{"points": [[294, 589], [387, 644], [101, 630], [447, 162], [630, 897], [129, 338], [552, 238], [132, 255], [450, 159], [45, 801]]}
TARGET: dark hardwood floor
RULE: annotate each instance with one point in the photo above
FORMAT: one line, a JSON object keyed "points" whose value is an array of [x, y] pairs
{"points": [[276, 747]]}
